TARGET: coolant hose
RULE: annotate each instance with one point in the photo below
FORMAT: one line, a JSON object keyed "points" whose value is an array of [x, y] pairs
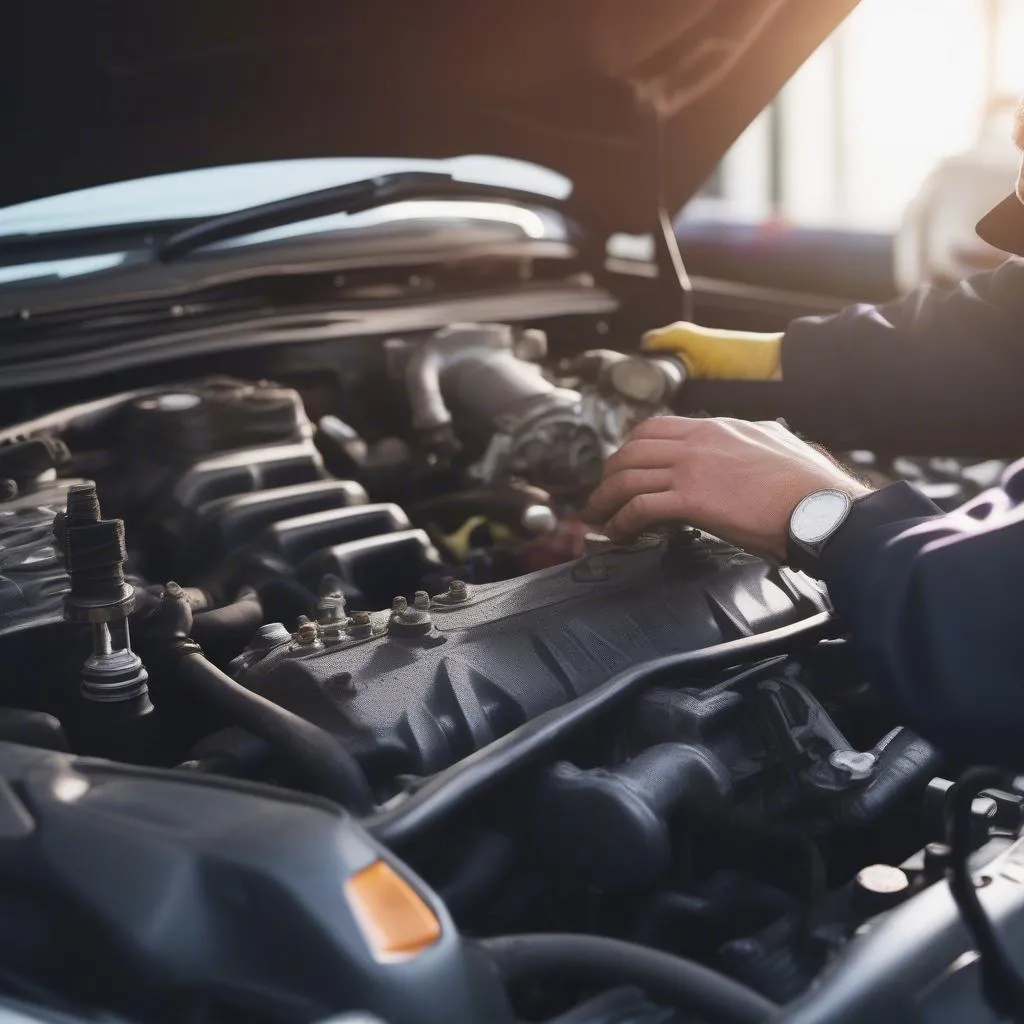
{"points": [[423, 386], [688, 986], [239, 619], [221, 631], [323, 763]]}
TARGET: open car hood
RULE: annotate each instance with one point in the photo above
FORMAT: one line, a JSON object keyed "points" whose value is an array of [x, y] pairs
{"points": [[110, 91]]}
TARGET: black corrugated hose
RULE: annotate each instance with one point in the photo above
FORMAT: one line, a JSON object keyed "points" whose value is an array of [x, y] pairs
{"points": [[682, 983]]}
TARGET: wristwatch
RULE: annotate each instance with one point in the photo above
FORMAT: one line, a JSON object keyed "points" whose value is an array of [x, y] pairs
{"points": [[812, 525]]}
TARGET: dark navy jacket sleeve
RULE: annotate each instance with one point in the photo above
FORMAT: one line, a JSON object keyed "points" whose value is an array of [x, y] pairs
{"points": [[935, 607], [932, 372]]}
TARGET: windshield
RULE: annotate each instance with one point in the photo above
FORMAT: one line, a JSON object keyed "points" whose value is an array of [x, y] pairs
{"points": [[212, 191]]}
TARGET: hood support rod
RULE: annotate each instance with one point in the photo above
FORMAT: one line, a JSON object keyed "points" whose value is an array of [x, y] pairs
{"points": [[677, 289]]}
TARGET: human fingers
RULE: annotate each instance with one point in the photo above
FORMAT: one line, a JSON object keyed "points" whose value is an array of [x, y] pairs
{"points": [[667, 428], [643, 511], [618, 488], [644, 454]]}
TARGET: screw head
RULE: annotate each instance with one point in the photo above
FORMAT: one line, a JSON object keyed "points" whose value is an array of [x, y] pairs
{"points": [[359, 625], [330, 610], [307, 632], [414, 621]]}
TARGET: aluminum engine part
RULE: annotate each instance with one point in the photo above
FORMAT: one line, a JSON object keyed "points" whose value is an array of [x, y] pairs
{"points": [[33, 580], [481, 376], [549, 442], [497, 655]]}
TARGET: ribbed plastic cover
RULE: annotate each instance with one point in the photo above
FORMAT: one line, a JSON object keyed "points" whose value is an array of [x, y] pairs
{"points": [[518, 648]]}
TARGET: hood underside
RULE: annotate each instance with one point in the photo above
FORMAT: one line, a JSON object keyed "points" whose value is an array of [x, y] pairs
{"points": [[110, 91]]}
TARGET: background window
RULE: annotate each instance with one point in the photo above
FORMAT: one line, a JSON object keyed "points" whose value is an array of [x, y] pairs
{"points": [[901, 86]]}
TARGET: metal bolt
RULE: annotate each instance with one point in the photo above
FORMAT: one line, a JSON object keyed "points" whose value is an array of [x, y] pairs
{"points": [[359, 625], [596, 543], [307, 632], [457, 593], [539, 519], [414, 621], [330, 608], [879, 887], [329, 612]]}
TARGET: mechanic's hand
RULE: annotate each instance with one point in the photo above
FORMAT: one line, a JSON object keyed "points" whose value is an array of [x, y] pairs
{"points": [[737, 480], [711, 354]]}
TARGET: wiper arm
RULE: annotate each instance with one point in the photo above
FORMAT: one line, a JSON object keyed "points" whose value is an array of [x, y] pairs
{"points": [[352, 197]]}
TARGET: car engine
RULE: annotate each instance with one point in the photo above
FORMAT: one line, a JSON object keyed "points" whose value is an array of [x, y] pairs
{"points": [[204, 585]]}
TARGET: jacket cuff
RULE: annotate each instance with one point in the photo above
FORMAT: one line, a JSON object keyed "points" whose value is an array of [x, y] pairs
{"points": [[856, 541]]}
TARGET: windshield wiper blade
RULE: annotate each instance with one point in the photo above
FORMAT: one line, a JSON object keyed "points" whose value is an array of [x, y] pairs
{"points": [[352, 197]]}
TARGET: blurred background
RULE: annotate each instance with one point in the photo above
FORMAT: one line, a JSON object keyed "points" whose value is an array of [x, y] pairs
{"points": [[886, 146]]}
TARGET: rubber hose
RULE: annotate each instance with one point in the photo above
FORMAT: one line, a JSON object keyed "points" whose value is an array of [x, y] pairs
{"points": [[480, 870], [452, 788], [423, 384], [904, 768], [235, 621], [322, 762], [1001, 979], [686, 985]]}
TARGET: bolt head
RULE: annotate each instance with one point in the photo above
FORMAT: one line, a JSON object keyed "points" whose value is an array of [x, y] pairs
{"points": [[856, 765], [307, 632], [399, 605], [421, 600], [539, 519], [457, 593], [359, 625]]}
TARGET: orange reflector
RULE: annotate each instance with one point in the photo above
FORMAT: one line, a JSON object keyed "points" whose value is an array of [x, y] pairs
{"points": [[395, 920]]}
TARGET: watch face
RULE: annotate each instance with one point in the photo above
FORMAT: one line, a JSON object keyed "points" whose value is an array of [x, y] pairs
{"points": [[818, 515]]}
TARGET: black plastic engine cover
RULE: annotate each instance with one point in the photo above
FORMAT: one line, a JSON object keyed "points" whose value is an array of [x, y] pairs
{"points": [[165, 895], [517, 648]]}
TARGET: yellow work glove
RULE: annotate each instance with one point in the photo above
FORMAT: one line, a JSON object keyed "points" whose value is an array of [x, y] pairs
{"points": [[712, 354]]}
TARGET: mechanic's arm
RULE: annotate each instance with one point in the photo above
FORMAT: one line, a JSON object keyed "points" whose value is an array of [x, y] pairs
{"points": [[931, 371], [934, 602]]}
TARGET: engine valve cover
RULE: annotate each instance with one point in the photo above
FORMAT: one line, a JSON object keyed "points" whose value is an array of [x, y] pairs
{"points": [[434, 681]]}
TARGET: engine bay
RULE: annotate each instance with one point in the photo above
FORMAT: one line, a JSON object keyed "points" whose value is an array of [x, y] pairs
{"points": [[665, 743]]}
